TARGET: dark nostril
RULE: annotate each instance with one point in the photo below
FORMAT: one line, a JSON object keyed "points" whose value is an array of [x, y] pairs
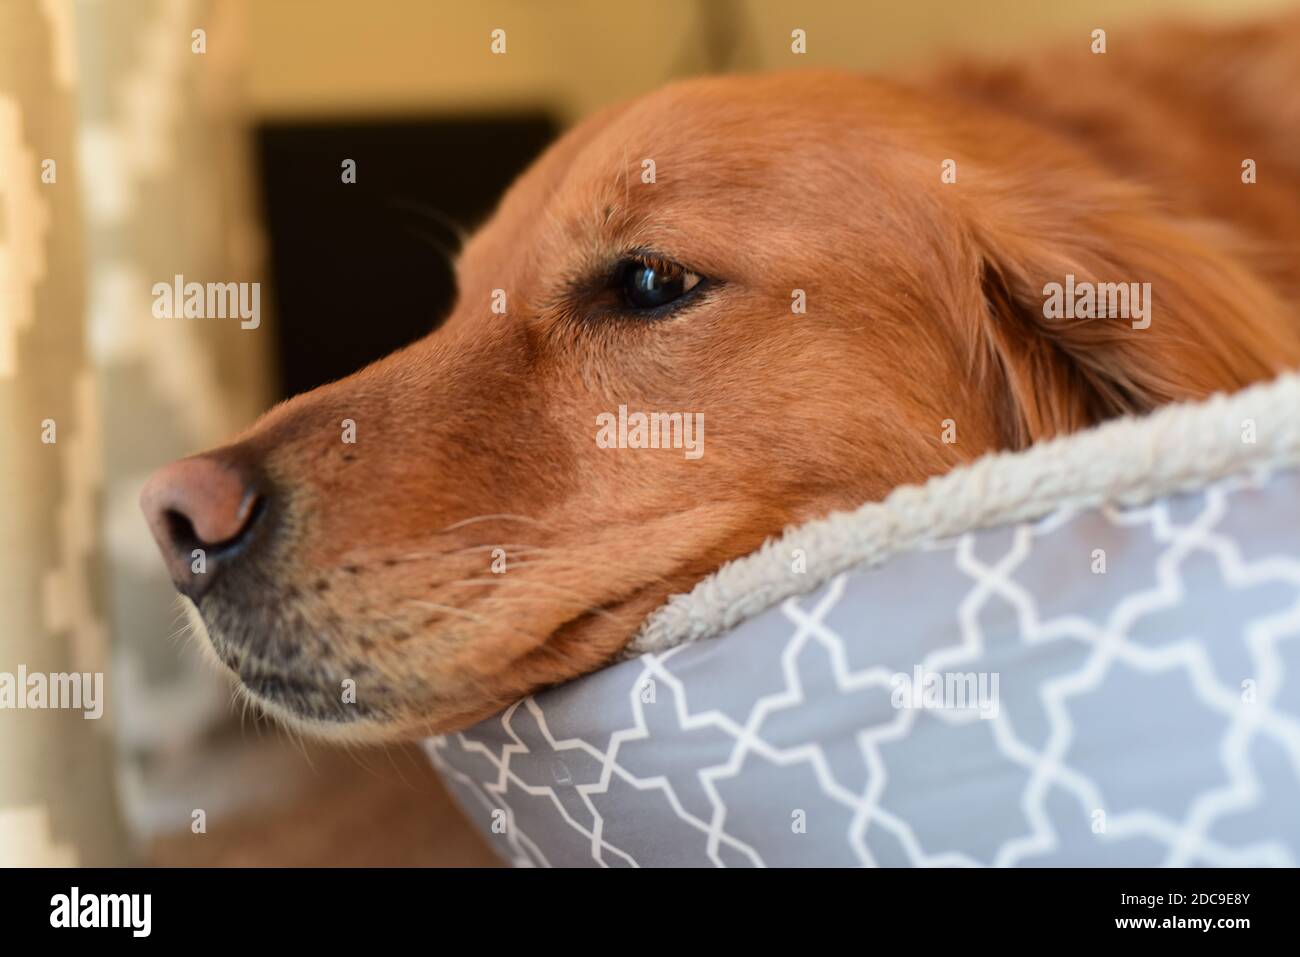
{"points": [[182, 533], [180, 529]]}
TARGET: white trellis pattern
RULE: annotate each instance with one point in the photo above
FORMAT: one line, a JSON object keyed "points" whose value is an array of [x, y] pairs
{"points": [[1147, 711]]}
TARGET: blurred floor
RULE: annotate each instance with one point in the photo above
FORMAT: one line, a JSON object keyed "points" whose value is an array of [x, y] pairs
{"points": [[360, 808]]}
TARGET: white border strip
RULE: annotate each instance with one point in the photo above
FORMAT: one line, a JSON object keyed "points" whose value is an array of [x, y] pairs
{"points": [[1126, 461]]}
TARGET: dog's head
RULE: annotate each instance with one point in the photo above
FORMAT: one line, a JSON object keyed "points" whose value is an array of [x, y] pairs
{"points": [[783, 269]]}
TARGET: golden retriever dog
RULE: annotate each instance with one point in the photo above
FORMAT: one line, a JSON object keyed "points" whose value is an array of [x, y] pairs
{"points": [[823, 268]]}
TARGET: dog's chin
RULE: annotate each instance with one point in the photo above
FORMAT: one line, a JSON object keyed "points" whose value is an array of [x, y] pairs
{"points": [[356, 731], [384, 701], [300, 705]]}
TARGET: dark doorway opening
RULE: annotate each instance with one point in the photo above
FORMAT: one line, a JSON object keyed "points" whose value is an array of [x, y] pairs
{"points": [[358, 270]]}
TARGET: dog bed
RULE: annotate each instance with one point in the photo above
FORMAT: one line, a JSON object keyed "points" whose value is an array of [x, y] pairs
{"points": [[1087, 653]]}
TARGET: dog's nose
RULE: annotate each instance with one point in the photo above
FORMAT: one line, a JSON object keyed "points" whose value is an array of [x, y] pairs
{"points": [[201, 510]]}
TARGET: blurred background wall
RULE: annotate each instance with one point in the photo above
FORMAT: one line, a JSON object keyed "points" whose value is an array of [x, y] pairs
{"points": [[322, 57], [57, 801], [222, 164], [124, 162]]}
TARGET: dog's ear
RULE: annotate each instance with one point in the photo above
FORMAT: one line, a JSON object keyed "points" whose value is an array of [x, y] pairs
{"points": [[1203, 319]]}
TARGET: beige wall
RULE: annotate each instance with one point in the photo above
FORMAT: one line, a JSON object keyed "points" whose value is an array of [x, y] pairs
{"points": [[339, 56], [57, 804], [151, 179]]}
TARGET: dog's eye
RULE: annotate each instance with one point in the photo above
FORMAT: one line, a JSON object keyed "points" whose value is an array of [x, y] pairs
{"points": [[653, 283]]}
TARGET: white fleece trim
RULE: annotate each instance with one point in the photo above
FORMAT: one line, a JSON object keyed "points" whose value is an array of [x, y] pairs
{"points": [[1125, 461]]}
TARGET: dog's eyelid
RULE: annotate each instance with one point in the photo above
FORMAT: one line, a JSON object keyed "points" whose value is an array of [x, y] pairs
{"points": [[646, 256]]}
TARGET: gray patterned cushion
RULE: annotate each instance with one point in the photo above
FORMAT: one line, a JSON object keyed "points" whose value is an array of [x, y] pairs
{"points": [[1147, 714]]}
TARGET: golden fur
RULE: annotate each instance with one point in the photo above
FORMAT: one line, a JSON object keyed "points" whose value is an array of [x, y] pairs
{"points": [[924, 303]]}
